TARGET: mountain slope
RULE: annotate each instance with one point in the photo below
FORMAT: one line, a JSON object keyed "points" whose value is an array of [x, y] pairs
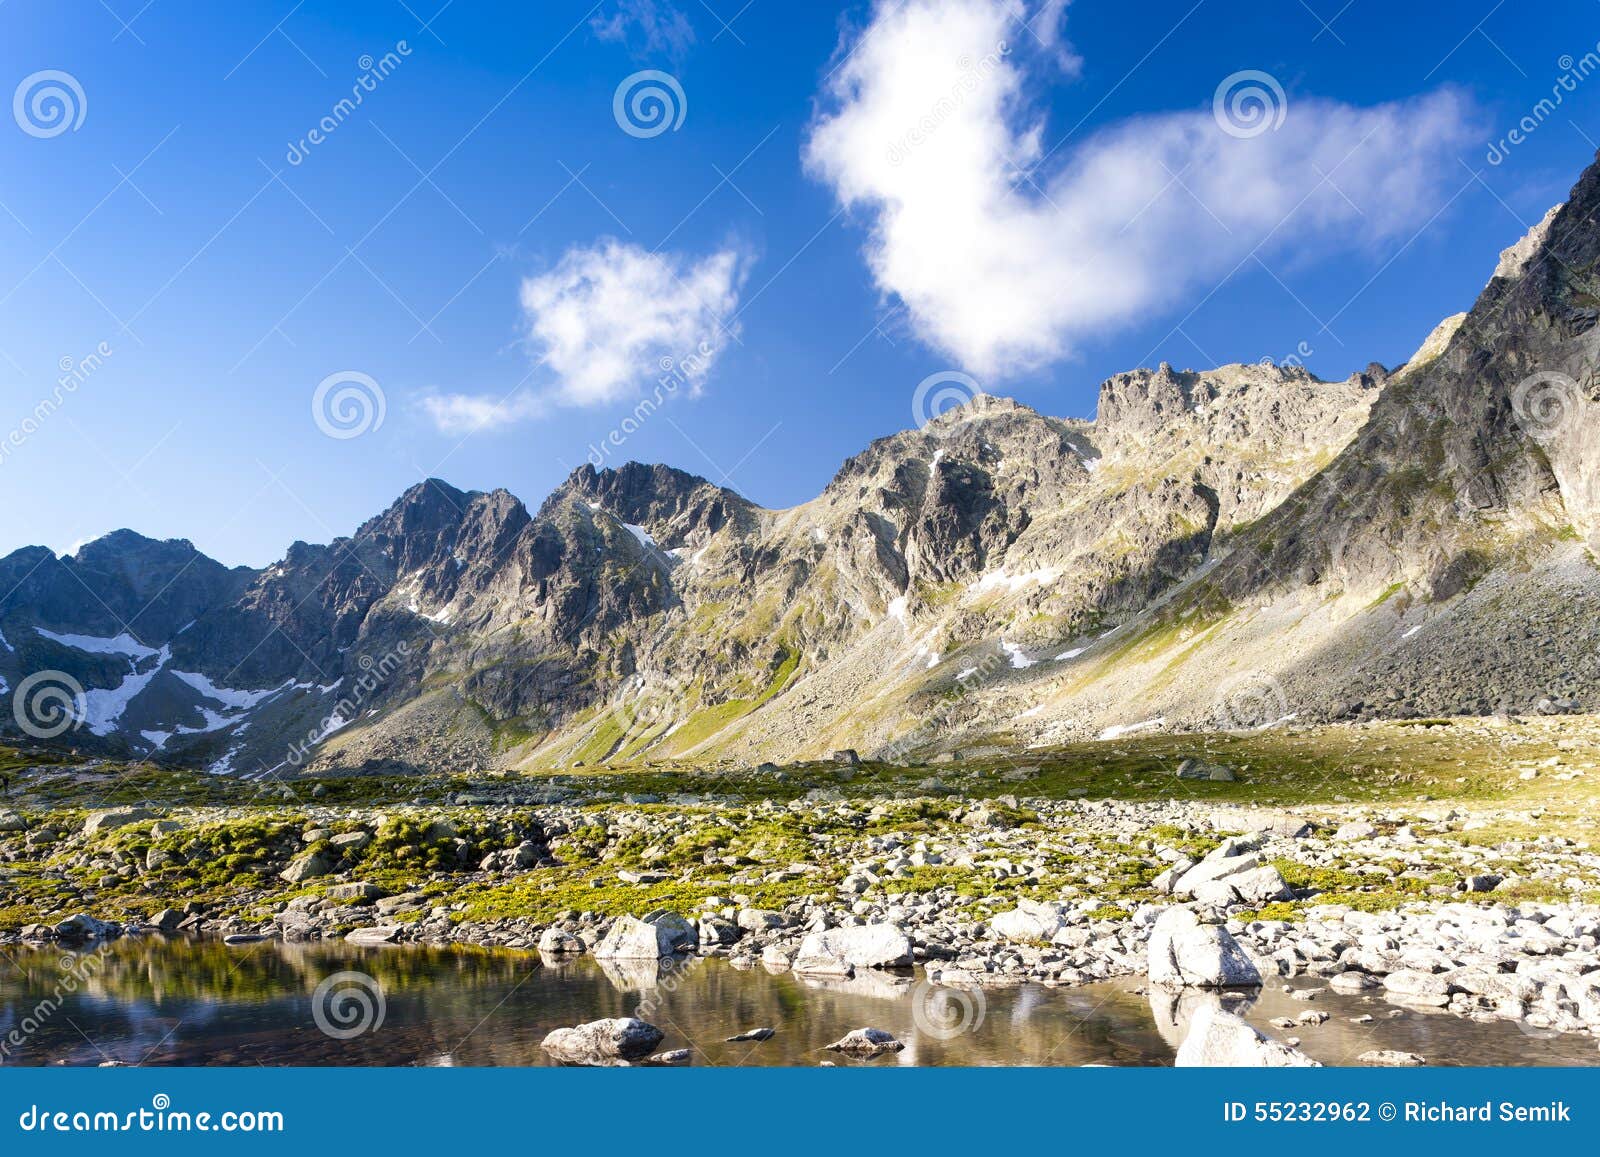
{"points": [[1222, 548]]}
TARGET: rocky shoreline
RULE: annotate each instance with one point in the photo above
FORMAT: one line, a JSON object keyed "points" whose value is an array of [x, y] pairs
{"points": [[1401, 903]]}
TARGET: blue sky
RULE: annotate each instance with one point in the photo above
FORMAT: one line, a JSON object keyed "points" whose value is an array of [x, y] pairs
{"points": [[485, 243]]}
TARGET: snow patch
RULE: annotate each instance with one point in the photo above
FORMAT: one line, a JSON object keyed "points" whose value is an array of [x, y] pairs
{"points": [[1012, 583], [1122, 729], [1072, 654], [104, 706], [123, 644], [156, 739], [227, 696], [1412, 631], [641, 534], [1019, 658], [897, 610]]}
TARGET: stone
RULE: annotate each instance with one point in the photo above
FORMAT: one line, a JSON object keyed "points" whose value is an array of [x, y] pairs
{"points": [[1029, 922], [166, 921], [105, 821], [760, 920], [1391, 1058], [558, 941], [82, 926], [355, 893], [1356, 830], [866, 1042], [754, 1034], [716, 932], [1185, 953], [840, 951], [350, 841], [1200, 769], [847, 758], [378, 935], [1412, 987], [603, 1042], [1353, 981], [10, 821], [1219, 1039], [658, 935], [306, 866]]}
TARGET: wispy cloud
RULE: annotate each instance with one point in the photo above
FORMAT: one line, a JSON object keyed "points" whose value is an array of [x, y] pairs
{"points": [[645, 27], [1008, 252], [606, 322]]}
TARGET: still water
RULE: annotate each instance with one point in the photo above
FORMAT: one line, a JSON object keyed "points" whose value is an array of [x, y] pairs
{"points": [[180, 1002]]}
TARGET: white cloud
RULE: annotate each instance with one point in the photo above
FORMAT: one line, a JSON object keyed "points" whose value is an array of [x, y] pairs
{"points": [[468, 413], [608, 322], [926, 126], [646, 26]]}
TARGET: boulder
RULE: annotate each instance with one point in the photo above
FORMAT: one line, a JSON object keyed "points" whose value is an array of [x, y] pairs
{"points": [[1390, 1058], [1185, 953], [373, 935], [866, 1042], [10, 821], [656, 935], [555, 940], [717, 932], [1029, 922], [82, 926], [1219, 1039], [840, 951], [602, 1042], [355, 893], [1200, 769], [1355, 830], [760, 920], [306, 866], [105, 821]]}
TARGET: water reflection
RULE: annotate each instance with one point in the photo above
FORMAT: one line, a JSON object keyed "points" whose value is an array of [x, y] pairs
{"points": [[183, 1002]]}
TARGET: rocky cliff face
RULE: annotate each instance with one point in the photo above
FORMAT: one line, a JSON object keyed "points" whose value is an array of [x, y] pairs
{"points": [[1394, 543]]}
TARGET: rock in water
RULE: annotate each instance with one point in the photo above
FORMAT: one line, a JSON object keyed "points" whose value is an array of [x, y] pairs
{"points": [[658, 934], [1220, 1039], [1390, 1058], [602, 1042], [840, 951], [1186, 953], [866, 1042]]}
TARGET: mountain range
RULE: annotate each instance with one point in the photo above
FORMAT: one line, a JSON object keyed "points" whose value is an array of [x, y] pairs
{"points": [[1226, 549]]}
